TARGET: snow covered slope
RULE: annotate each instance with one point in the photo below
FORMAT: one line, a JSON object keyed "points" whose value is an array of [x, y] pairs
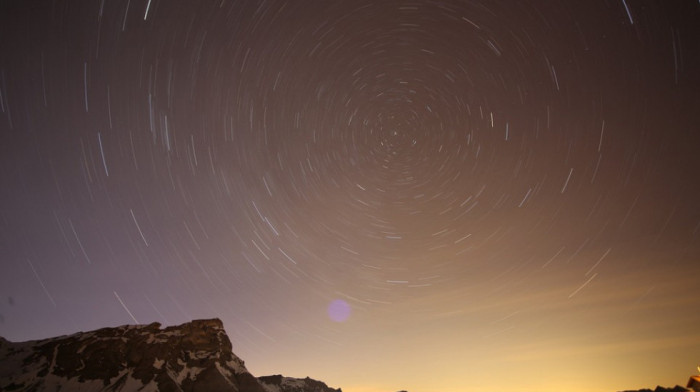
{"points": [[194, 356]]}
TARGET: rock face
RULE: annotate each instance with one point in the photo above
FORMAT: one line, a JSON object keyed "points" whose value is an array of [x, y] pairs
{"points": [[192, 357]]}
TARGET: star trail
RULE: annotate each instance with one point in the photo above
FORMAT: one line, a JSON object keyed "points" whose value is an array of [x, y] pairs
{"points": [[423, 195]]}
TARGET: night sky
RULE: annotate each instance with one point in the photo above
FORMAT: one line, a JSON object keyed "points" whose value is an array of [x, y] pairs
{"points": [[380, 194]]}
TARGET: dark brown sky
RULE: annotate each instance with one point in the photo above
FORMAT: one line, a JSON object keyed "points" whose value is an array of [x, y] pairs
{"points": [[499, 192]]}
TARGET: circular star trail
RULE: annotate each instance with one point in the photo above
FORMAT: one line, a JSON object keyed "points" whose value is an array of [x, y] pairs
{"points": [[382, 195]]}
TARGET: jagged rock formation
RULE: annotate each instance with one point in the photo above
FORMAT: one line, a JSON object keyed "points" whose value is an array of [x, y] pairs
{"points": [[278, 383], [191, 357]]}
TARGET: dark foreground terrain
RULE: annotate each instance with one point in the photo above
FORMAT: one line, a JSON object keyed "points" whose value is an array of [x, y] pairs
{"points": [[195, 356]]}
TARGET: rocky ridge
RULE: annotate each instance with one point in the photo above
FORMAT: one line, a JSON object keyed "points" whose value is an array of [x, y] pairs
{"points": [[192, 357], [659, 388], [278, 383]]}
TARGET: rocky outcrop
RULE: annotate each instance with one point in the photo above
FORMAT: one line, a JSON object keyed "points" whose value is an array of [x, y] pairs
{"points": [[677, 388], [278, 383], [192, 357]]}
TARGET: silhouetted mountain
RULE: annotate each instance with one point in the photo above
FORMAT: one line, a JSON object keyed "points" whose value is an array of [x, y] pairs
{"points": [[191, 357], [280, 383], [677, 388]]}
